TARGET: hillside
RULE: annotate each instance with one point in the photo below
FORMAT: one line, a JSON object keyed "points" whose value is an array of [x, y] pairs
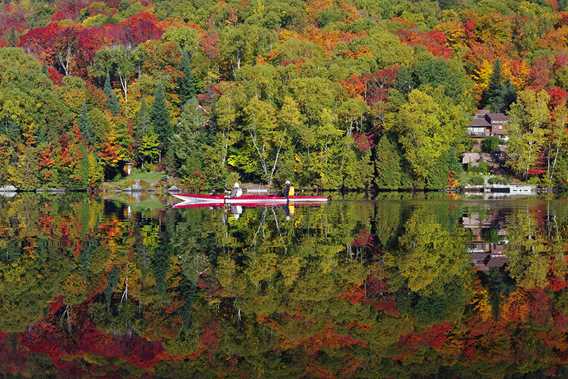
{"points": [[332, 94]]}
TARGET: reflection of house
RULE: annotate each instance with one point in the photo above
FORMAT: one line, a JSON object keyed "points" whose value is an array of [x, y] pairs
{"points": [[485, 262], [475, 222], [486, 254], [487, 124]]}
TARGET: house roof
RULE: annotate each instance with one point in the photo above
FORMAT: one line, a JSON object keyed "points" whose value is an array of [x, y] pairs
{"points": [[497, 117], [479, 122]]}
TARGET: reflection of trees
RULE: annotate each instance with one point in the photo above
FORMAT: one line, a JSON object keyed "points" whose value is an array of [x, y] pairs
{"points": [[533, 254], [431, 256], [352, 289], [388, 222], [29, 282]]}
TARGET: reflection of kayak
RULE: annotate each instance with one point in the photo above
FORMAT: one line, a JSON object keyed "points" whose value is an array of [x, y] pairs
{"points": [[197, 200]]}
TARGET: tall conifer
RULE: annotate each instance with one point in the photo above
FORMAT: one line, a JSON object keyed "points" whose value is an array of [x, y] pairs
{"points": [[186, 84], [160, 116], [85, 125], [112, 100]]}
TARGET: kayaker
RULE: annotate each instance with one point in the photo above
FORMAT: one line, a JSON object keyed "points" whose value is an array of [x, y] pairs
{"points": [[237, 190], [288, 190]]}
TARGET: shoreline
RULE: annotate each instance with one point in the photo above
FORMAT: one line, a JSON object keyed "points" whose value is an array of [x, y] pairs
{"points": [[158, 191]]}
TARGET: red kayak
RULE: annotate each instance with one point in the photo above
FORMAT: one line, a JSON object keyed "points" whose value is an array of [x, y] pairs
{"points": [[199, 200]]}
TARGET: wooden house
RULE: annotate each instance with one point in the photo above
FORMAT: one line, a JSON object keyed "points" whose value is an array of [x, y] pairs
{"points": [[488, 124]]}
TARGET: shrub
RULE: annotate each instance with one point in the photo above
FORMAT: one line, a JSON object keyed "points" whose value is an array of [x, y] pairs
{"points": [[490, 145], [482, 168], [476, 180], [499, 180]]}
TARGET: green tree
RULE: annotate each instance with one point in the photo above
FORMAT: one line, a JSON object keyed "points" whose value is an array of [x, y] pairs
{"points": [[495, 83], [116, 61], [143, 121], [241, 44], [449, 75], [500, 93], [186, 83], [388, 165], [427, 131], [188, 144], [89, 172], [490, 144], [149, 147], [265, 136], [86, 126], [187, 39], [112, 100], [530, 118], [28, 100], [160, 116]]}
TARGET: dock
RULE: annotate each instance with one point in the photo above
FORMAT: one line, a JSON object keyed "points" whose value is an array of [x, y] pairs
{"points": [[509, 189]]}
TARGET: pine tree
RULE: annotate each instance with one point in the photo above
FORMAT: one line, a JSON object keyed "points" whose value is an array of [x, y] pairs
{"points": [[147, 140], [500, 94], [112, 100], [186, 84], [86, 126], [388, 165], [508, 95], [188, 145], [160, 116], [143, 121]]}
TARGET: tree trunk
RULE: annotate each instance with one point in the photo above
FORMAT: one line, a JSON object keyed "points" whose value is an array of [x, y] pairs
{"points": [[124, 85], [262, 160], [274, 166]]}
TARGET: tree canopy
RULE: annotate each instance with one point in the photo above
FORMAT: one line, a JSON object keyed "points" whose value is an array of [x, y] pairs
{"points": [[289, 89]]}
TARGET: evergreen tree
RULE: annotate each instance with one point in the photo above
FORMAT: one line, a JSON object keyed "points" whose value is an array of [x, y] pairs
{"points": [[493, 91], [405, 80], [147, 140], [508, 95], [500, 94], [186, 84], [160, 117], [185, 142], [112, 100], [188, 144], [89, 171], [86, 126], [388, 165], [143, 121]]}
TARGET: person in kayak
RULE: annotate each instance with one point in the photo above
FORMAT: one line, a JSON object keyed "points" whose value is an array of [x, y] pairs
{"points": [[288, 190], [237, 190]]}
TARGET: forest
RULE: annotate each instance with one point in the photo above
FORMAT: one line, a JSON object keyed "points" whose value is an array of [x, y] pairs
{"points": [[333, 94]]}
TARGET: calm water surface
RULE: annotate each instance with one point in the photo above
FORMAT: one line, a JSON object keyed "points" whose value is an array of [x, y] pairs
{"points": [[394, 288]]}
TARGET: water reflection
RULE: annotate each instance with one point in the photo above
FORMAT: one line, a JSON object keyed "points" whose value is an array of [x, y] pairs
{"points": [[393, 288]]}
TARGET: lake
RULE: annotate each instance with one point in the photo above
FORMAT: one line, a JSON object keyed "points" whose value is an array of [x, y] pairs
{"points": [[401, 287]]}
